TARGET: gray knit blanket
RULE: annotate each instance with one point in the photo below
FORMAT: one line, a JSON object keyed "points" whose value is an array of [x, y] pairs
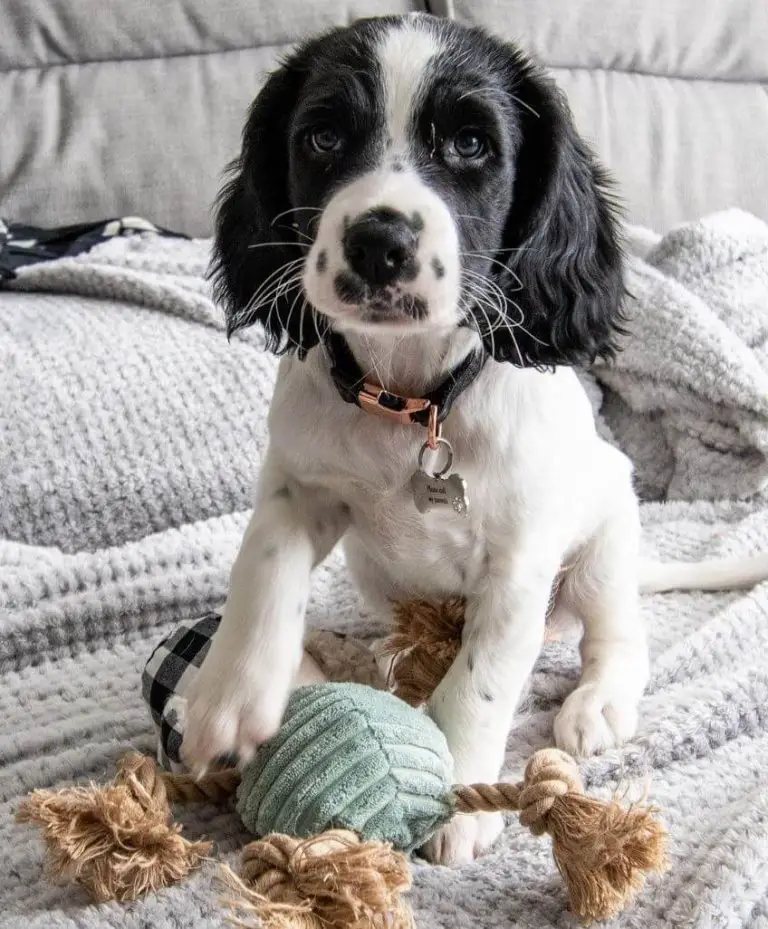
{"points": [[130, 432]]}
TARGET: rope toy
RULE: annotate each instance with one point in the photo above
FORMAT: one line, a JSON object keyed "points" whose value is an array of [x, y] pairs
{"points": [[337, 822]]}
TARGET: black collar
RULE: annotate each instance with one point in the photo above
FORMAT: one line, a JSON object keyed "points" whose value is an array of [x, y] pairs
{"points": [[427, 411]]}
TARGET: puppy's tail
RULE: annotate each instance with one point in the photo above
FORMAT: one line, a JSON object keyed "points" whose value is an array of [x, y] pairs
{"points": [[725, 574]]}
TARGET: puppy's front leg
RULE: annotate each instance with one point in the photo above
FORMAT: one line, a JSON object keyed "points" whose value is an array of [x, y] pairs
{"points": [[242, 688], [475, 702]]}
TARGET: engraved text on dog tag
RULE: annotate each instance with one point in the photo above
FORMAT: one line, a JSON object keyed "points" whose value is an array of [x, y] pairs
{"points": [[431, 492]]}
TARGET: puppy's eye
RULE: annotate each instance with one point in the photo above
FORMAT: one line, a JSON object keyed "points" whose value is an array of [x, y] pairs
{"points": [[324, 140], [469, 143]]}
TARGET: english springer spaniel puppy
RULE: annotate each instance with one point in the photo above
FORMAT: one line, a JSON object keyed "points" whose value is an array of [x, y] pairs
{"points": [[424, 237]]}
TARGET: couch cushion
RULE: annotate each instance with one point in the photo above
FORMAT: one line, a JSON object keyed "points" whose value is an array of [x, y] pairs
{"points": [[674, 95], [113, 107]]}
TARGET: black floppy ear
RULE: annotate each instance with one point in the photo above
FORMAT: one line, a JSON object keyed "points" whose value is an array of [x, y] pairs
{"points": [[253, 243], [566, 260]]}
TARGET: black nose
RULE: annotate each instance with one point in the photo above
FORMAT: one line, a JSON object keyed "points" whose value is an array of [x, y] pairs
{"points": [[380, 246]]}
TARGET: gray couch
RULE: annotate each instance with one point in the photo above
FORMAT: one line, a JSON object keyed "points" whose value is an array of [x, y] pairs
{"points": [[115, 107]]}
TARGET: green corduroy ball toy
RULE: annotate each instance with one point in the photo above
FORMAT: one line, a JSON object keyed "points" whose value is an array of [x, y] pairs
{"points": [[350, 757], [353, 781]]}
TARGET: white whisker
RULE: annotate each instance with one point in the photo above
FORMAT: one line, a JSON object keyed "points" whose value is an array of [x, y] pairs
{"points": [[320, 335], [277, 244], [305, 236], [499, 251], [296, 209], [495, 261], [272, 290], [274, 295], [526, 105], [285, 268]]}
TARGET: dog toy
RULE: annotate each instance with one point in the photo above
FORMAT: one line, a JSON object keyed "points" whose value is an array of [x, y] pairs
{"points": [[353, 779]]}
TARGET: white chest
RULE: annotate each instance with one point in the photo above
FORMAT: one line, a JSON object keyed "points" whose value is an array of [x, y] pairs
{"points": [[369, 464], [438, 550], [512, 443]]}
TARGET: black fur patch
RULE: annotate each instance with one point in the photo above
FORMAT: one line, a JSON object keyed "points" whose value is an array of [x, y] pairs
{"points": [[417, 222], [349, 288], [416, 306], [410, 270]]}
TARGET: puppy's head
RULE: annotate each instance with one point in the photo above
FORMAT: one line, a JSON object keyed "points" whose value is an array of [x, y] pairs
{"points": [[412, 174]]}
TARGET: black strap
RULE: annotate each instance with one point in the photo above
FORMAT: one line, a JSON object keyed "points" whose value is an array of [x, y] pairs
{"points": [[349, 377], [22, 245]]}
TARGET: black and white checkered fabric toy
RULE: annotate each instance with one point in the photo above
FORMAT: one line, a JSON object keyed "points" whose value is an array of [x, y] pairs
{"points": [[166, 680], [173, 666]]}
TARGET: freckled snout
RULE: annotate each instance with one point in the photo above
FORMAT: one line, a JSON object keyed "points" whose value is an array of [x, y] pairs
{"points": [[380, 247], [386, 254]]}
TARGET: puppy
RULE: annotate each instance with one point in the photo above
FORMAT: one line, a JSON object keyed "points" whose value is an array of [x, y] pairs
{"points": [[423, 235]]}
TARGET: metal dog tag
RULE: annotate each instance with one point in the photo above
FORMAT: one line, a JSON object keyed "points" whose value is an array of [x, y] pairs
{"points": [[430, 492], [436, 491]]}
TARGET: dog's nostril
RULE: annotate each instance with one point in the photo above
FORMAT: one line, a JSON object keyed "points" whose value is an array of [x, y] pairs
{"points": [[396, 257]]}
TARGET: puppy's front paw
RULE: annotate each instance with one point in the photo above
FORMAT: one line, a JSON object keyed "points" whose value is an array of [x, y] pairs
{"points": [[232, 711], [463, 839], [594, 719]]}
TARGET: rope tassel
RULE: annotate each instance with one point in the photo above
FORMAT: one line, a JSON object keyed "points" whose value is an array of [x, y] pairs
{"points": [[118, 842], [602, 850]]}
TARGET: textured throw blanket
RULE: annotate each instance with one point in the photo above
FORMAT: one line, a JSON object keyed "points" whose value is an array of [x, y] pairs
{"points": [[129, 434], [692, 383]]}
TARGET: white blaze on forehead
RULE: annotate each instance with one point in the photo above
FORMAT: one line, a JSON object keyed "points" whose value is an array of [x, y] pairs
{"points": [[404, 55]]}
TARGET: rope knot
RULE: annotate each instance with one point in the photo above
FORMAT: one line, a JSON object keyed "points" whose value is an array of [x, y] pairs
{"points": [[140, 776], [332, 881], [549, 775]]}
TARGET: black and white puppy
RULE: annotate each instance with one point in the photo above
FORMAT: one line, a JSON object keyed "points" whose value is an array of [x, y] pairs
{"points": [[418, 188]]}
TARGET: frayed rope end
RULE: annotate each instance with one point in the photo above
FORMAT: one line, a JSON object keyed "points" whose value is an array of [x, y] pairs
{"points": [[118, 842], [604, 852]]}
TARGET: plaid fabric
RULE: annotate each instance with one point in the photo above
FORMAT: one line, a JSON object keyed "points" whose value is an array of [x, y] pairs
{"points": [[166, 680]]}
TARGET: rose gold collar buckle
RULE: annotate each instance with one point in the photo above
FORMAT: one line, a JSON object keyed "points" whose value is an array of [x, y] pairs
{"points": [[380, 402], [376, 400]]}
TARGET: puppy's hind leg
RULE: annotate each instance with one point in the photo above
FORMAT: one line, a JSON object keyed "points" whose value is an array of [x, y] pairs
{"points": [[603, 589]]}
